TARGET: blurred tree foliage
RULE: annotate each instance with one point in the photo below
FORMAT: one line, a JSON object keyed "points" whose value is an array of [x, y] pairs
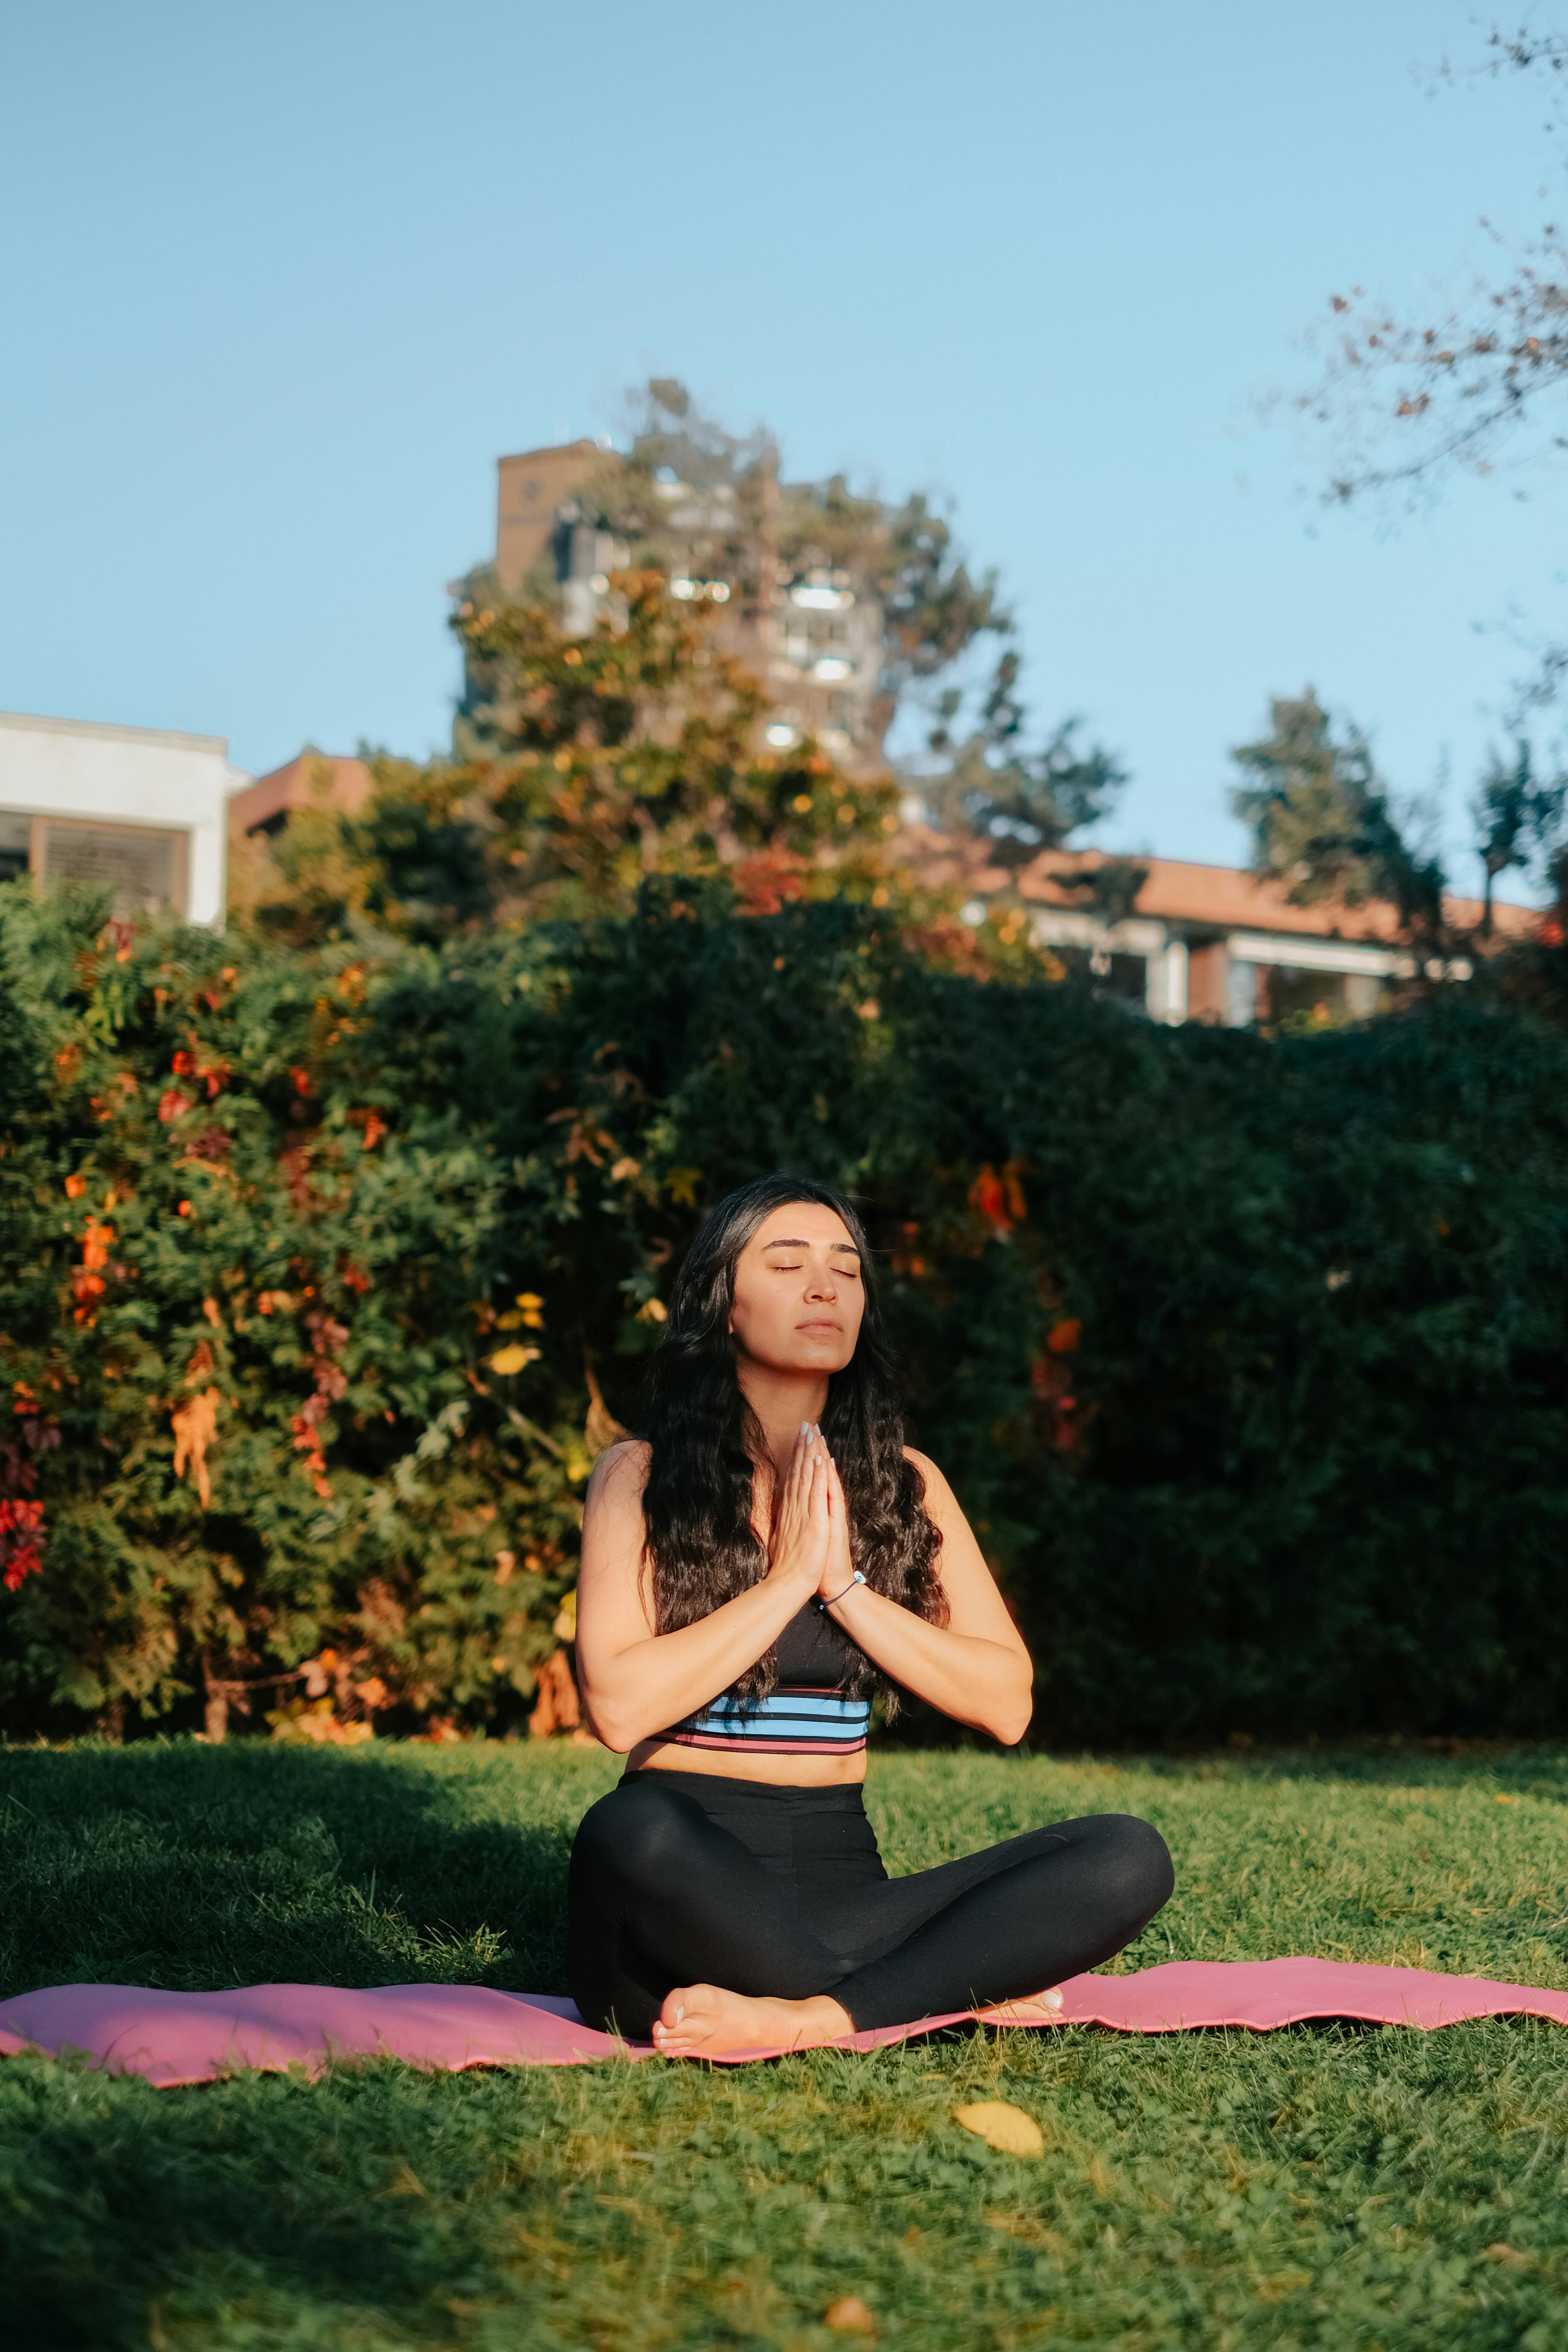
{"points": [[1022, 801], [328, 1268], [588, 765], [686, 495], [1323, 821], [1516, 814]]}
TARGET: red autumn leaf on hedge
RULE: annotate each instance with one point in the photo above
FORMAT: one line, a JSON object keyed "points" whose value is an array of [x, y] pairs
{"points": [[21, 1539], [987, 1195], [183, 1063], [87, 1283], [172, 1104]]}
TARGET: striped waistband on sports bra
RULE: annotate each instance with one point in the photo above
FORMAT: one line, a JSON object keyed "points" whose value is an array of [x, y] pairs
{"points": [[785, 1723]]}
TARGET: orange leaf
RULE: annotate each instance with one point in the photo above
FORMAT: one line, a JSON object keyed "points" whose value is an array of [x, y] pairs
{"points": [[850, 2316], [195, 1425]]}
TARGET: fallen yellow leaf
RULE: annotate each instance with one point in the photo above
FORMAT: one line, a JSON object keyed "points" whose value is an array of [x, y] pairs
{"points": [[1282, 2284], [849, 2315], [405, 2182], [1001, 2126]]}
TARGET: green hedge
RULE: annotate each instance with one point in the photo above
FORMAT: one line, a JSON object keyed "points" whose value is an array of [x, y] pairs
{"points": [[1247, 1356]]}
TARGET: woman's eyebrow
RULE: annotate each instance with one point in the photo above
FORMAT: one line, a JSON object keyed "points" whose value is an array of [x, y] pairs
{"points": [[784, 1242]]}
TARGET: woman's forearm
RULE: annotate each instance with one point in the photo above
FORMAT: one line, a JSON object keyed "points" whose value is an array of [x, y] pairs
{"points": [[985, 1685], [656, 1682]]}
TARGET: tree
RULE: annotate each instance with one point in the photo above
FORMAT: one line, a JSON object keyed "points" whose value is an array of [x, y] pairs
{"points": [[1020, 800], [690, 499], [586, 763], [1412, 400], [1516, 818], [1323, 820], [1448, 393]]}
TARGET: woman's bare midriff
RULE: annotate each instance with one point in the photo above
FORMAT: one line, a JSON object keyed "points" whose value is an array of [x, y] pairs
{"points": [[779, 1771]]}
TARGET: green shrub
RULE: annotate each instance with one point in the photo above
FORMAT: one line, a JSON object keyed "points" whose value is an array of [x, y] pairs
{"points": [[1246, 1355]]}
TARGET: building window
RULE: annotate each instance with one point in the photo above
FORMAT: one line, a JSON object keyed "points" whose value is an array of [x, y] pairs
{"points": [[145, 868], [15, 846], [1109, 972], [1241, 994]]}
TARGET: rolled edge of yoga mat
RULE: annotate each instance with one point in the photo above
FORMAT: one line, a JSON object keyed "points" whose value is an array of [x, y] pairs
{"points": [[173, 2038]]}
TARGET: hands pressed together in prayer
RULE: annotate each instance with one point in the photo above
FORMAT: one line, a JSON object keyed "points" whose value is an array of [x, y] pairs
{"points": [[809, 1549]]}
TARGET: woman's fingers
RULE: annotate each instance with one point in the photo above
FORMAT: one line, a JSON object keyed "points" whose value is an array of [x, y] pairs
{"points": [[817, 1495], [791, 1495], [801, 1460], [838, 1563], [801, 1530]]}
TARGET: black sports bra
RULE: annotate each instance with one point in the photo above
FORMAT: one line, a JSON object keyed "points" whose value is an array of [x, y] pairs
{"points": [[805, 1714]]}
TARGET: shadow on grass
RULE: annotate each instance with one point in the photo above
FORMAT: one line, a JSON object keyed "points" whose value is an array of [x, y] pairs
{"points": [[256, 2211], [185, 1867], [1484, 1765]]}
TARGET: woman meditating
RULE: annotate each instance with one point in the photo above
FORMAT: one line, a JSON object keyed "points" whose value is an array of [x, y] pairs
{"points": [[769, 1558]]}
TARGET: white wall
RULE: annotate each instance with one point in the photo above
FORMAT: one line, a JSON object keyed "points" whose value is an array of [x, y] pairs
{"points": [[127, 776]]}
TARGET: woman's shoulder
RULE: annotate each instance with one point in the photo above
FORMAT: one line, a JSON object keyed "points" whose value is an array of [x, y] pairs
{"points": [[620, 1474], [939, 1495]]}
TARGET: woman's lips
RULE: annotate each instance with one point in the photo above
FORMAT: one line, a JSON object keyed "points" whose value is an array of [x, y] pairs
{"points": [[821, 1325]]}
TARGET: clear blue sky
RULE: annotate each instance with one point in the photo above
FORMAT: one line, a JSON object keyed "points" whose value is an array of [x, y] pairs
{"points": [[281, 283]]}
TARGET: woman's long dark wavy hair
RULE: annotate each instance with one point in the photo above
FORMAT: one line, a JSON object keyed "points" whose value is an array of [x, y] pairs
{"points": [[701, 1547]]}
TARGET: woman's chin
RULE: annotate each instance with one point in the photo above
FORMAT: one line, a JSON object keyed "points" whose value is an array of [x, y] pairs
{"points": [[815, 1359]]}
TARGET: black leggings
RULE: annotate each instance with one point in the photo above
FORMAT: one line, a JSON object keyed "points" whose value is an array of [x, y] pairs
{"points": [[686, 1878]]}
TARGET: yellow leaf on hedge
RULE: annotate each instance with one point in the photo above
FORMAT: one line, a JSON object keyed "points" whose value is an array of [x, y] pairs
{"points": [[196, 1426], [1001, 2126], [512, 1359]]}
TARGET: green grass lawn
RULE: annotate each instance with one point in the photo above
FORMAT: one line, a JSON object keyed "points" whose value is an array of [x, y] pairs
{"points": [[1324, 2187]]}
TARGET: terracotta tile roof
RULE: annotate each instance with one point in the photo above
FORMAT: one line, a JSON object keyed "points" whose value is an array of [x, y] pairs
{"points": [[294, 786], [1178, 890]]}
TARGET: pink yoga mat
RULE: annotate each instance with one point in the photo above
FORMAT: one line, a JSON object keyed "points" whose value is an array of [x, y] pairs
{"points": [[194, 2037]]}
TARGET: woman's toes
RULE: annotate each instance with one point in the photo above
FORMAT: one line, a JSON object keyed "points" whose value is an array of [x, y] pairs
{"points": [[1032, 2009], [684, 2019]]}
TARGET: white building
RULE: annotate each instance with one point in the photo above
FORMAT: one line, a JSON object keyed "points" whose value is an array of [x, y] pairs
{"points": [[136, 807]]}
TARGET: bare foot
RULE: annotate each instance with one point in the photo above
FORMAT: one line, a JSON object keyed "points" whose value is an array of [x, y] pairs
{"points": [[704, 2022], [1035, 2008]]}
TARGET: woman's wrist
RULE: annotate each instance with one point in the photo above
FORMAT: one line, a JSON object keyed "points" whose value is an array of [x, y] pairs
{"points": [[804, 1582]]}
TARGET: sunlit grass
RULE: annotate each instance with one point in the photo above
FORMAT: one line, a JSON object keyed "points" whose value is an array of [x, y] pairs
{"points": [[1326, 2186]]}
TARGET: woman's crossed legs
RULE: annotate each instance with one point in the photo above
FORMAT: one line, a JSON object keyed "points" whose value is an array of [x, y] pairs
{"points": [[682, 1929]]}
